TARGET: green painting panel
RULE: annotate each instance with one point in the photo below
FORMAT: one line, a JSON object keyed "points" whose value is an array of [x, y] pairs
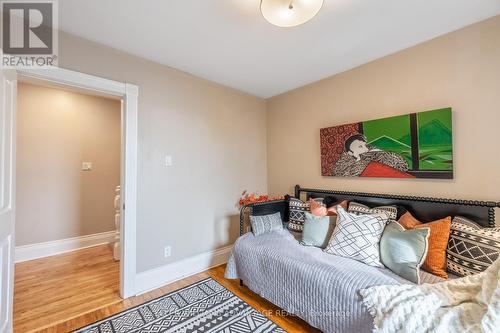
{"points": [[435, 140], [390, 134]]}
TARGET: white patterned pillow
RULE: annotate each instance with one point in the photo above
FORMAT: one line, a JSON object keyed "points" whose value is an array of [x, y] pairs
{"points": [[263, 224], [357, 237], [471, 248], [359, 209]]}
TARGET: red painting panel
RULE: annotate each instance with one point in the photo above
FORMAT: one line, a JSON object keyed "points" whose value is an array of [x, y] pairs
{"points": [[332, 145]]}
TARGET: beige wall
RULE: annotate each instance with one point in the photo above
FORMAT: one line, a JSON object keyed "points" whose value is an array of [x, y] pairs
{"points": [[56, 131], [461, 70], [216, 136]]}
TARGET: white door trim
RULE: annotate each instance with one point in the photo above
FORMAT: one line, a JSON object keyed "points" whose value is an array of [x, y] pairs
{"points": [[7, 194], [129, 94]]}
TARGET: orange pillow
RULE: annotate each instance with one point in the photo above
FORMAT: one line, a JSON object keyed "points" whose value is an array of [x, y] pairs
{"points": [[317, 208], [435, 262]]}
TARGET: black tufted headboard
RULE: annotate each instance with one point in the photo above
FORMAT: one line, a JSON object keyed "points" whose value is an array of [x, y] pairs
{"points": [[423, 208]]}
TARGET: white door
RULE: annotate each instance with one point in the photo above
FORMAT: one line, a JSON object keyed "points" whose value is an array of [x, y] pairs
{"points": [[8, 86]]}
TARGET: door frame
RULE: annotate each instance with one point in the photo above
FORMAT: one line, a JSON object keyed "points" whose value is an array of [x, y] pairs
{"points": [[7, 195], [129, 94]]}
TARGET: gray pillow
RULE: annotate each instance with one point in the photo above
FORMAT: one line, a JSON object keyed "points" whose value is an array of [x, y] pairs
{"points": [[317, 230], [360, 209], [266, 223], [471, 248], [297, 216], [404, 251]]}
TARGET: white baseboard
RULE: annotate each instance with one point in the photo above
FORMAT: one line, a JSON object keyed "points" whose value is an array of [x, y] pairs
{"points": [[164, 275], [47, 249]]}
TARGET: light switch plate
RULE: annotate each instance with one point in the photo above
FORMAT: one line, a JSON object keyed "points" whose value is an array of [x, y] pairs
{"points": [[86, 166], [168, 160]]}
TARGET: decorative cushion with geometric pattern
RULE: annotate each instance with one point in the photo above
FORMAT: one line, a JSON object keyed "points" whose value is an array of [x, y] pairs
{"points": [[359, 209], [471, 248], [357, 237], [297, 214]]}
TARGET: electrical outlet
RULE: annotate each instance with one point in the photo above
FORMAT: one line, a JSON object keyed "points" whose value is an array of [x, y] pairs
{"points": [[167, 251]]}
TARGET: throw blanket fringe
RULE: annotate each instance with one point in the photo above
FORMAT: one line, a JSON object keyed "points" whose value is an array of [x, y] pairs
{"points": [[469, 304]]}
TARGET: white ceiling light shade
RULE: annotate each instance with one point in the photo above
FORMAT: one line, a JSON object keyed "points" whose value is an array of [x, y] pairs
{"points": [[289, 13]]}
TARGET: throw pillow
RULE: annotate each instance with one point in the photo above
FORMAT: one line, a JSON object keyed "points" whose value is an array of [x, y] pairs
{"points": [[266, 223], [435, 262], [471, 248], [359, 209], [357, 237], [297, 214], [404, 251], [317, 208], [317, 230], [320, 209]]}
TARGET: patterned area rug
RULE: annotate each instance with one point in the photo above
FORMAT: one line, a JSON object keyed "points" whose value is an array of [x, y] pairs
{"points": [[205, 306]]}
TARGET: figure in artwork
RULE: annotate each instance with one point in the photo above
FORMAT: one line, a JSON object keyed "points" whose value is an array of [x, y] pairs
{"points": [[358, 155]]}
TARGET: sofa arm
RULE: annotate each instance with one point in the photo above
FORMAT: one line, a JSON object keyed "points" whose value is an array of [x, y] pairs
{"points": [[265, 208]]}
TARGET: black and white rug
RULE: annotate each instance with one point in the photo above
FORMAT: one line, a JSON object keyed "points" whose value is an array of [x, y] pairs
{"points": [[205, 306]]}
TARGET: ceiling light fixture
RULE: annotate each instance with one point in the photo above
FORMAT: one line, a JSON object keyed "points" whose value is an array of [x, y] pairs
{"points": [[289, 13]]}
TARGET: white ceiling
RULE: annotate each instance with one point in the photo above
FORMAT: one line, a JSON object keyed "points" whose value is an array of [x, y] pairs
{"points": [[229, 42]]}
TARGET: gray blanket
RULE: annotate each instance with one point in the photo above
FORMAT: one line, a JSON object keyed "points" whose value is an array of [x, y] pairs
{"points": [[318, 287]]}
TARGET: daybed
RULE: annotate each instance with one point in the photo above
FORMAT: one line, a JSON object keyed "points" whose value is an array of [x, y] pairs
{"points": [[321, 288]]}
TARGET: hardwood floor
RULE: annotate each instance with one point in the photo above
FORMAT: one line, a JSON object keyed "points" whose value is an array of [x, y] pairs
{"points": [[66, 292], [52, 289]]}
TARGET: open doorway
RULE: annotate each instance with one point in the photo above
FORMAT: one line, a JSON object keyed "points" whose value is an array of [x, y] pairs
{"points": [[67, 203], [65, 79]]}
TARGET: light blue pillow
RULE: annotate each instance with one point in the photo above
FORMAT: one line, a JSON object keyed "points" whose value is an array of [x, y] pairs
{"points": [[317, 230], [404, 251], [266, 223]]}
